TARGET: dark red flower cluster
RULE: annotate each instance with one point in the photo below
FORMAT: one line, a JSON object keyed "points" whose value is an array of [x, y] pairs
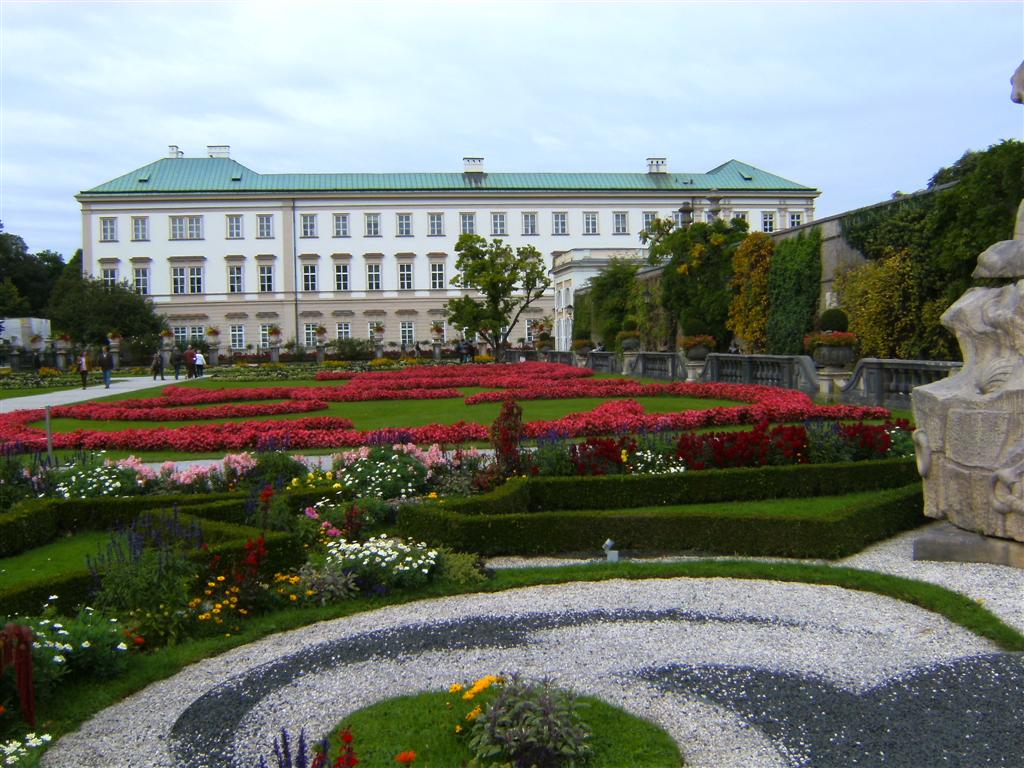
{"points": [[748, 448], [116, 412]]}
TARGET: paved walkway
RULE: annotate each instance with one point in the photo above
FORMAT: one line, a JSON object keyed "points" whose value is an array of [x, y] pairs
{"points": [[119, 386]]}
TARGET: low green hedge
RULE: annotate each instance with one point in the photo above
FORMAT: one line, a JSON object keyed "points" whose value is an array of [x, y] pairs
{"points": [[34, 522], [675, 528], [284, 551], [708, 486]]}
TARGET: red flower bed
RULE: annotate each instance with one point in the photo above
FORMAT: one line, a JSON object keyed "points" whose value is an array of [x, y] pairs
{"points": [[518, 381]]}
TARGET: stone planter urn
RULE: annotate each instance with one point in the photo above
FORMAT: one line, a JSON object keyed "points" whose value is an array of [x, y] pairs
{"points": [[699, 352], [834, 357], [630, 345]]}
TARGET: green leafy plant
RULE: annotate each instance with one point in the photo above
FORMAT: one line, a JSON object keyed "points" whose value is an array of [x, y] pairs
{"points": [[531, 725], [794, 281], [749, 309]]}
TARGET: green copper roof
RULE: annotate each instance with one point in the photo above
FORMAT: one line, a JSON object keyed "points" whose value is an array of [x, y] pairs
{"points": [[221, 174]]}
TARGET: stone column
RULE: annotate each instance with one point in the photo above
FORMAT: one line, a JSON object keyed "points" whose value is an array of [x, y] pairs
{"points": [[437, 350]]}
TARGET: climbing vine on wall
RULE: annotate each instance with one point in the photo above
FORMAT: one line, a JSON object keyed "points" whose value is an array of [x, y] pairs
{"points": [[794, 280], [749, 309]]}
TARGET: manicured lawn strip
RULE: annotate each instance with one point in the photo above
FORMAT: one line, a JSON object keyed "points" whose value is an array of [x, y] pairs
{"points": [[79, 700], [380, 414], [814, 508], [424, 724], [53, 559], [6, 394]]}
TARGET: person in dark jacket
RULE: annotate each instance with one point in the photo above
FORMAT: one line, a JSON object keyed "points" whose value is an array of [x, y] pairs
{"points": [[106, 365], [176, 360], [157, 365]]}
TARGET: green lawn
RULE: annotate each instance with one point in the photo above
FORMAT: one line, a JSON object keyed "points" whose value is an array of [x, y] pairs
{"points": [[7, 394], [54, 559]]}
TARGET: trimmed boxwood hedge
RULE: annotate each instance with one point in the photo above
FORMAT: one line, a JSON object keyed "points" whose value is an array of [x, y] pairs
{"points": [[284, 551], [35, 522], [676, 528]]}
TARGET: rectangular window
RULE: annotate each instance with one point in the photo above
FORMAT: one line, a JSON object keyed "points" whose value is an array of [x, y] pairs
{"points": [[369, 329], [403, 224], [195, 279], [796, 219], [309, 335], [407, 331], [234, 222], [679, 218], [196, 332], [498, 223], [265, 226], [141, 279], [590, 222], [140, 228], [186, 227], [436, 221], [308, 221], [341, 225], [265, 335], [405, 277], [741, 215], [767, 221], [372, 223], [437, 281], [177, 280], [529, 332], [559, 223], [649, 217], [234, 279], [373, 277], [467, 223], [309, 277], [710, 217], [344, 330], [108, 229], [620, 223], [237, 336], [341, 282], [108, 275], [180, 334], [266, 278], [529, 223]]}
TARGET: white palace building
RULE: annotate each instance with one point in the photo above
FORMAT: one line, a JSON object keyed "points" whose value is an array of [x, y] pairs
{"points": [[217, 244]]}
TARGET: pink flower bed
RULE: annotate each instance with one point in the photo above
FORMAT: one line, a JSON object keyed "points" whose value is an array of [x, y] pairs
{"points": [[522, 381]]}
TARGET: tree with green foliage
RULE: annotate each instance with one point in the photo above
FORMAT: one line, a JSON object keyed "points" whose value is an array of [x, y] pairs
{"points": [[12, 303], [695, 285], [750, 307], [794, 283], [508, 281], [609, 299], [939, 234], [33, 275], [88, 309]]}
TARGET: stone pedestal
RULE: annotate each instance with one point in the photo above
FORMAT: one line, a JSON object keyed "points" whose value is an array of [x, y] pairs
{"points": [[214, 354], [62, 360], [275, 353], [947, 543], [378, 350], [970, 436], [437, 350], [320, 353]]}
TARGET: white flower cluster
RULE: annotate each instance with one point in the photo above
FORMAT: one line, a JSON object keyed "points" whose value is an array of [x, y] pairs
{"points": [[93, 482], [653, 463], [12, 751], [394, 479], [395, 557], [42, 639]]}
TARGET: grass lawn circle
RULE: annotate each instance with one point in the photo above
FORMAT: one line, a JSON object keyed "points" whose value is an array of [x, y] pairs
{"points": [[425, 724]]}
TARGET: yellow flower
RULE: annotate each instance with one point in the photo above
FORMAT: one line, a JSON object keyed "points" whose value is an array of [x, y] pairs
{"points": [[219, 578], [329, 475], [475, 713], [210, 584], [293, 598], [295, 481], [243, 611], [310, 593], [432, 495], [337, 485], [455, 688], [458, 729], [625, 456]]}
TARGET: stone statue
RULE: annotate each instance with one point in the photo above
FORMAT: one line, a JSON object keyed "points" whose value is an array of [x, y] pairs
{"points": [[970, 436]]}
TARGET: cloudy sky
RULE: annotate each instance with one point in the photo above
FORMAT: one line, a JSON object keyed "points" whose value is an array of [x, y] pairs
{"points": [[858, 99]]}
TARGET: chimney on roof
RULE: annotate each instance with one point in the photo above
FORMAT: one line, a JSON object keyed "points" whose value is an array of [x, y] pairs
{"points": [[472, 165], [218, 150], [657, 165], [173, 151]]}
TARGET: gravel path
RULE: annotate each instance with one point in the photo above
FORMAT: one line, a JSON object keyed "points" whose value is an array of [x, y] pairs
{"points": [[741, 673]]}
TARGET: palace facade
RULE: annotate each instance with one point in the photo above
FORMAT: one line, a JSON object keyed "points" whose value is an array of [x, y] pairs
{"points": [[214, 243]]}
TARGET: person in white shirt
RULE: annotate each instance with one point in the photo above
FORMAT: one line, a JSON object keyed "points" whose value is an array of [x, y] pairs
{"points": [[200, 363]]}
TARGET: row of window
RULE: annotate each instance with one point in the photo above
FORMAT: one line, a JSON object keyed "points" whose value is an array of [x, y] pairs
{"points": [[186, 334], [191, 227], [191, 279]]}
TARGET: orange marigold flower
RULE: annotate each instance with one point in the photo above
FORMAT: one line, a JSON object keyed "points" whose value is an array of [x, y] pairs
{"points": [[405, 758]]}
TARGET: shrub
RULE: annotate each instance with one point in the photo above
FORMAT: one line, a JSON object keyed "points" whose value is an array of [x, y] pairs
{"points": [[383, 473], [749, 308], [833, 319], [794, 281], [275, 468], [382, 562], [531, 725]]}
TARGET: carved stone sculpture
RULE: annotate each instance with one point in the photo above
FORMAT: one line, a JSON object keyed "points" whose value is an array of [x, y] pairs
{"points": [[970, 436]]}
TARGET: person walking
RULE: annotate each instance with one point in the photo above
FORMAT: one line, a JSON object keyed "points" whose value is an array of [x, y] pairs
{"points": [[106, 365], [200, 363], [158, 365], [83, 368], [190, 362], [176, 361]]}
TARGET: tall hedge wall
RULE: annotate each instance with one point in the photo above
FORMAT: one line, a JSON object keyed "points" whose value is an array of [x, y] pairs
{"points": [[794, 281]]}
